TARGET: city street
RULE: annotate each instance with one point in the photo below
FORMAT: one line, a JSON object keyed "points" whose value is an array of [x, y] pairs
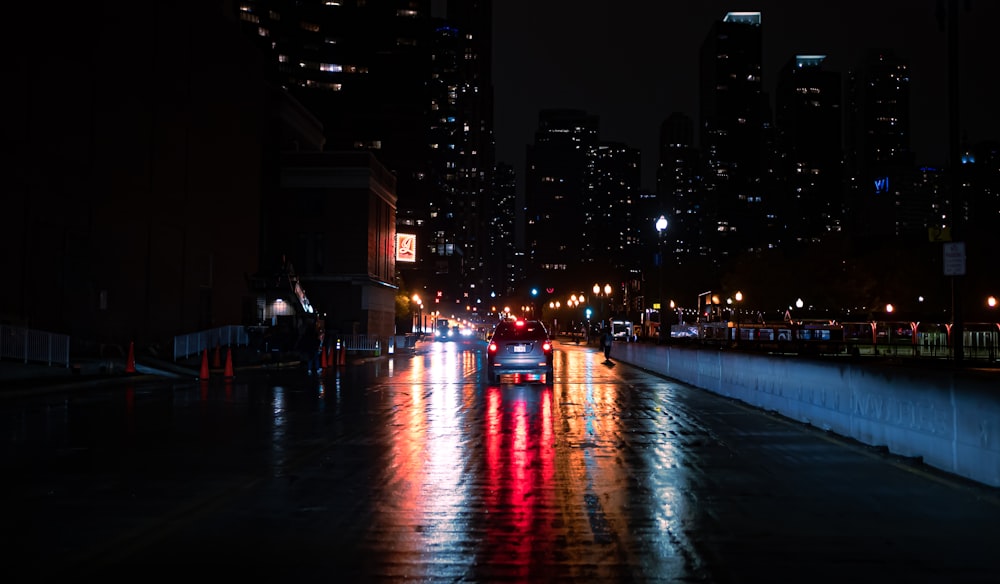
{"points": [[412, 467]]}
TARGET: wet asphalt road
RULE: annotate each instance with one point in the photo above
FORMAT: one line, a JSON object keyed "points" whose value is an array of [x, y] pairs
{"points": [[413, 468]]}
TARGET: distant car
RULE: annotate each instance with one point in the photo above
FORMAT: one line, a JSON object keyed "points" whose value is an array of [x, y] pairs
{"points": [[519, 346], [622, 330]]}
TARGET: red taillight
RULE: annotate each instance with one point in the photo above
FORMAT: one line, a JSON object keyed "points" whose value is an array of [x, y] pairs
{"points": [[547, 346], [492, 348]]}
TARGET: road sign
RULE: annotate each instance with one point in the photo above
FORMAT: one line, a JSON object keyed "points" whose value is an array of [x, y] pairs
{"points": [[954, 258], [937, 234]]}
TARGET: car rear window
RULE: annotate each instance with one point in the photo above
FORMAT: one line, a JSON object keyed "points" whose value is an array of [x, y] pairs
{"points": [[530, 330]]}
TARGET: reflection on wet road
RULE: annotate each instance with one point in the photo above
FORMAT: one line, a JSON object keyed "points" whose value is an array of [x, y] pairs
{"points": [[414, 468]]}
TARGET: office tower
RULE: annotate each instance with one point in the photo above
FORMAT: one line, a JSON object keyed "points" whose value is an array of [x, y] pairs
{"points": [[879, 160], [555, 229], [611, 186], [507, 269], [462, 151], [732, 116], [981, 172], [808, 124], [611, 248], [678, 191]]}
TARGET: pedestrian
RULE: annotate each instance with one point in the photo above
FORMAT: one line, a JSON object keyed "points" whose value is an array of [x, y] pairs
{"points": [[310, 346], [606, 339]]}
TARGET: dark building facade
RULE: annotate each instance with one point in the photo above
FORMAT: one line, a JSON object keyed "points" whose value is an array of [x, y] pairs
{"points": [[137, 173], [415, 89], [336, 214]]}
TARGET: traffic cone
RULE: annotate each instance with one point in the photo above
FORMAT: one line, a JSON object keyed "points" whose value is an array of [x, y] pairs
{"points": [[342, 357], [229, 363], [204, 366], [130, 363], [215, 358], [322, 358]]}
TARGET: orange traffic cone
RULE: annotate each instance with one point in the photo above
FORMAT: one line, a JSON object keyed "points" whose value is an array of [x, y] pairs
{"points": [[215, 358], [342, 350], [322, 358], [229, 363], [130, 364], [204, 366]]}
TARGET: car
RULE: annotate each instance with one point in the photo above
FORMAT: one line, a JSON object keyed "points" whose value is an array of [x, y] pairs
{"points": [[622, 330], [519, 346]]}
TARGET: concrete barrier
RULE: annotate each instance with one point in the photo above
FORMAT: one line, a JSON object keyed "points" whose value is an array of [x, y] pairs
{"points": [[948, 418]]}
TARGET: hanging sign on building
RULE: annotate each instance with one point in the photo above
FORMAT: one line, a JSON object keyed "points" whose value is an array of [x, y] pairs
{"points": [[406, 247]]}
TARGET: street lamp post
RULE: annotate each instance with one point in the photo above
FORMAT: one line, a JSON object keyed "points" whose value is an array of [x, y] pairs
{"points": [[604, 294], [739, 299], [661, 226], [420, 306]]}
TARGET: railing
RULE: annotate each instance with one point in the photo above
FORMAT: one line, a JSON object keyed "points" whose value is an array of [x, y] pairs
{"points": [[34, 346], [358, 342], [223, 336]]}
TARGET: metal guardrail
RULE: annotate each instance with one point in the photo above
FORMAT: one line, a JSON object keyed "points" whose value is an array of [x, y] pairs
{"points": [[34, 346], [223, 336]]}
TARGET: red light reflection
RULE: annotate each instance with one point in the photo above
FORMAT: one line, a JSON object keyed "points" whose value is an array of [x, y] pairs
{"points": [[520, 452]]}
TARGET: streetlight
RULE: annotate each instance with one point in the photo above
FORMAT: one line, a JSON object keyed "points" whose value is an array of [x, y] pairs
{"points": [[991, 302], [420, 307], [661, 226], [606, 294], [739, 298]]}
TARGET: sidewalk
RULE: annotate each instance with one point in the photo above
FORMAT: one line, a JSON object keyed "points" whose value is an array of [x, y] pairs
{"points": [[18, 378]]}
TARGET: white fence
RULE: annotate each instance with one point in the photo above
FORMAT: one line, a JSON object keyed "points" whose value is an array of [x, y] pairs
{"points": [[357, 342], [223, 336], [34, 346]]}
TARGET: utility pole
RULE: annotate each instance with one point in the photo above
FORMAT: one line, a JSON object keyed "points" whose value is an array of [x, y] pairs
{"points": [[955, 162]]}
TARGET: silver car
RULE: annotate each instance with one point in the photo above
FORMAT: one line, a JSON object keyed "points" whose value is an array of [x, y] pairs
{"points": [[519, 346]]}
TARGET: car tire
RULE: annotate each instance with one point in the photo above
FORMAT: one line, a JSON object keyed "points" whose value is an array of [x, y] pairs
{"points": [[550, 376], [493, 377]]}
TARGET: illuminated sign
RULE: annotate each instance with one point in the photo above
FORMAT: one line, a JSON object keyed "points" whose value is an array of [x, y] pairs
{"points": [[881, 185], [406, 247]]}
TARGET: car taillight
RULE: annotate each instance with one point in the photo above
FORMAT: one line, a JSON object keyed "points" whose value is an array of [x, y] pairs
{"points": [[547, 346], [492, 348]]}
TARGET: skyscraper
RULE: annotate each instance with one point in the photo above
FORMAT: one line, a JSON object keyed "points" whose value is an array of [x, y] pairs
{"points": [[461, 148], [808, 123], [611, 189], [879, 160], [678, 190], [732, 117], [556, 168]]}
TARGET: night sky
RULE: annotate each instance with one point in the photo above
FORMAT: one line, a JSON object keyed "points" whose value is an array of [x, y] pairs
{"points": [[633, 62]]}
